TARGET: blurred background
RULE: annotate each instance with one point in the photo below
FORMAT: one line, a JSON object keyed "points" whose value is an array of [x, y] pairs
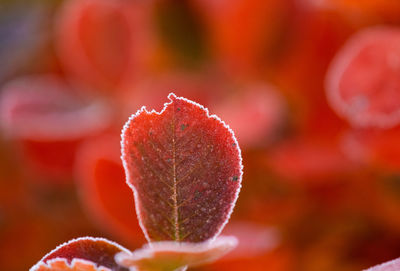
{"points": [[310, 87]]}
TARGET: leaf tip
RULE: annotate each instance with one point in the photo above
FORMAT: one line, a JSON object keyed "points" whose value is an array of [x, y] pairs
{"points": [[172, 96]]}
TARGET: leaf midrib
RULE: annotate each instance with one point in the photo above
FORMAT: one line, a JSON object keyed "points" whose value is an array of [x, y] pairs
{"points": [[174, 187]]}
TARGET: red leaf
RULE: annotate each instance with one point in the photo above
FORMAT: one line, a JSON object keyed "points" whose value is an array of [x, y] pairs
{"points": [[49, 120], [163, 256], [86, 253], [388, 266], [363, 81], [102, 43], [185, 169]]}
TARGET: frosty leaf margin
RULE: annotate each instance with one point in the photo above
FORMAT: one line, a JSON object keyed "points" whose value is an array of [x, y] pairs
{"points": [[47, 263]]}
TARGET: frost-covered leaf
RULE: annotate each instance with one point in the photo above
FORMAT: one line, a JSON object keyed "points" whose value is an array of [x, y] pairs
{"points": [[82, 254], [363, 80], [170, 256], [388, 266], [185, 169], [102, 43]]}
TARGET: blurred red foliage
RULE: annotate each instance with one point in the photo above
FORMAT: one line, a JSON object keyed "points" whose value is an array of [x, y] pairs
{"points": [[103, 44], [362, 83], [48, 121], [328, 188], [103, 189]]}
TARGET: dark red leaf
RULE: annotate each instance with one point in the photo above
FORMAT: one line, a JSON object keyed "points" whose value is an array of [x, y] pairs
{"points": [[185, 169], [84, 252]]}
